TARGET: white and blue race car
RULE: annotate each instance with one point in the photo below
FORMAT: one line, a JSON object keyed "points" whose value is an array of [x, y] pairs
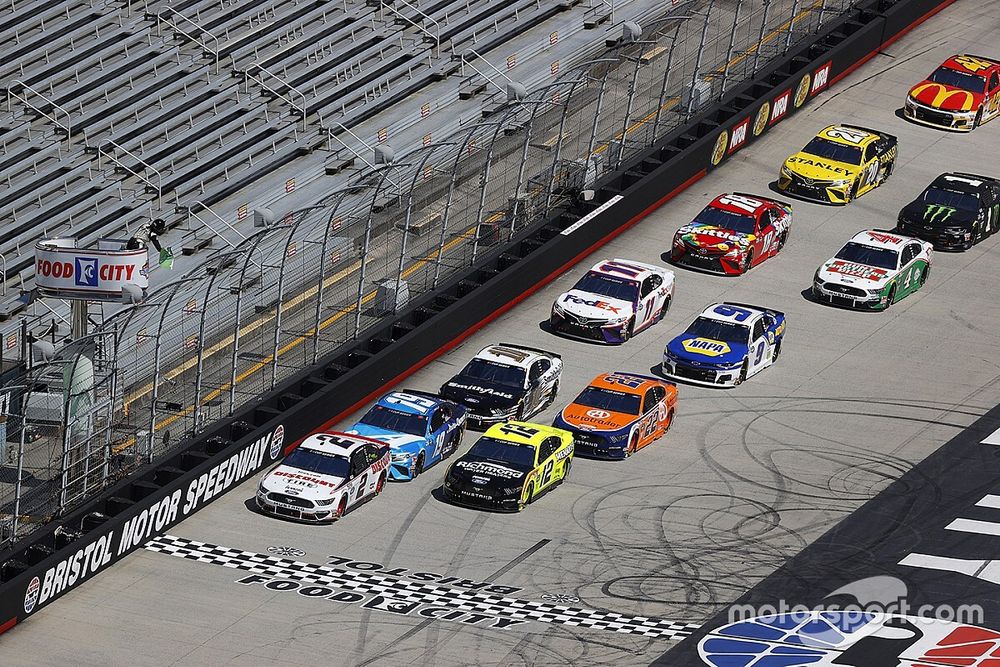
{"points": [[420, 428], [725, 345]]}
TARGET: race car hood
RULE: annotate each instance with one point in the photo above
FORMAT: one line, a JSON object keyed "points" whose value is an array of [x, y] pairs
{"points": [[398, 442], [484, 472], [937, 216], [593, 419], [855, 275], [819, 168], [594, 306], [300, 483], [480, 395], [711, 237], [706, 350], [945, 98]]}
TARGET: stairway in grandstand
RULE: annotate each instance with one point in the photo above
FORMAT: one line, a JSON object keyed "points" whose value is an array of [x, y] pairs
{"points": [[119, 112]]}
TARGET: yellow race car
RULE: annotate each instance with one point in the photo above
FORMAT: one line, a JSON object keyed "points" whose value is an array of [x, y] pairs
{"points": [[841, 163], [510, 466]]}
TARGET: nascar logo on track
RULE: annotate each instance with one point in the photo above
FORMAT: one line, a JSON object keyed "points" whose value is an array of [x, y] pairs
{"points": [[706, 346], [848, 639]]}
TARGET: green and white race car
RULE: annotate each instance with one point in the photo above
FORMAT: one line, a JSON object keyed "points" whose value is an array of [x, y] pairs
{"points": [[873, 271]]}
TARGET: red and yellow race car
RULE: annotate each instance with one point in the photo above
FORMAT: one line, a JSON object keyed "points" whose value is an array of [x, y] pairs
{"points": [[961, 94], [618, 414]]}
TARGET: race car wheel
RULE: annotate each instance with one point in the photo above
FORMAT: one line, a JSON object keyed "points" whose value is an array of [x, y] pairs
{"points": [[743, 374], [670, 420], [923, 276], [628, 330], [528, 497], [979, 119], [782, 240], [747, 261], [777, 351], [418, 467], [633, 442], [553, 393], [341, 509], [892, 297], [566, 468], [853, 193], [380, 484], [456, 440]]}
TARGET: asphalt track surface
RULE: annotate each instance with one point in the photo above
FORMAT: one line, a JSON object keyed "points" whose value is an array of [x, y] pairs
{"points": [[630, 556]]}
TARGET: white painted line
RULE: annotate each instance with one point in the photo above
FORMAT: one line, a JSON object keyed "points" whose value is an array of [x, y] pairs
{"points": [[991, 501], [960, 565], [992, 439], [973, 526], [593, 214]]}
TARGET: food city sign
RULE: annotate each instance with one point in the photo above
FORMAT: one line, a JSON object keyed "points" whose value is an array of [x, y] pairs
{"points": [[66, 271]]}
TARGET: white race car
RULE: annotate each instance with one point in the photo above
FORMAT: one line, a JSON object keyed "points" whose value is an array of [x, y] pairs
{"points": [[616, 299], [324, 477], [873, 271]]}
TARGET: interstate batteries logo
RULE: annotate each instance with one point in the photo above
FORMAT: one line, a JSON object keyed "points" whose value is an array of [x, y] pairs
{"points": [[938, 213], [849, 639]]}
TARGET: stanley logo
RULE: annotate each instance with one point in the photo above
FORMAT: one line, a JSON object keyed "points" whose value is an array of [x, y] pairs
{"points": [[938, 213], [942, 95]]}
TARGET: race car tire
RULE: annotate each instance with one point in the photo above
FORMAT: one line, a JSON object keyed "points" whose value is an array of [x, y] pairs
{"points": [[670, 420], [923, 276], [341, 509], [977, 233], [892, 297], [456, 441], [747, 261], [979, 119], [633, 442], [380, 484], [663, 311], [553, 393], [888, 171], [852, 195], [566, 468], [782, 240], [743, 373], [777, 351], [628, 330], [524, 502], [418, 467]]}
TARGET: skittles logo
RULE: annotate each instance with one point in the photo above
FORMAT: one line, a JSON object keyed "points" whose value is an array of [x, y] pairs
{"points": [[849, 639], [706, 346]]}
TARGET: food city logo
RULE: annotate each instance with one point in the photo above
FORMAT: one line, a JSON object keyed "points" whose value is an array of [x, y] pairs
{"points": [[112, 544], [706, 346], [867, 623], [938, 213], [596, 303]]}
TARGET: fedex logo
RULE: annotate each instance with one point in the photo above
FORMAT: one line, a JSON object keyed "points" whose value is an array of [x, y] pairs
{"points": [[603, 305]]}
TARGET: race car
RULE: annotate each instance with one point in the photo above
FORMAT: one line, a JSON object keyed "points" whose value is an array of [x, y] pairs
{"points": [[725, 345], [955, 212], [873, 271], [618, 414], [960, 95], [420, 428], [325, 477], [505, 381], [733, 233], [510, 466], [616, 299], [840, 163]]}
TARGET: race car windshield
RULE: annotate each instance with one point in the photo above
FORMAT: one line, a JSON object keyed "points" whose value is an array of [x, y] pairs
{"points": [[882, 258], [521, 457], [493, 372], [616, 288], [316, 461], [821, 147], [728, 332], [393, 420], [606, 399], [950, 198], [956, 79], [744, 224]]}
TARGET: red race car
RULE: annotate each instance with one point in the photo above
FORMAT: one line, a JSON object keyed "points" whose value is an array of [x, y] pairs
{"points": [[732, 234], [961, 94]]}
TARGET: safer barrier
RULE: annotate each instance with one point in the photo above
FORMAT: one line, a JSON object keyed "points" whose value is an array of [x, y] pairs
{"points": [[68, 552]]}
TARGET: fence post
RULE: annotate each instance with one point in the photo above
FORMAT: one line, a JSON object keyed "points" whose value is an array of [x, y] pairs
{"points": [[791, 24], [697, 61], [732, 45], [760, 38]]}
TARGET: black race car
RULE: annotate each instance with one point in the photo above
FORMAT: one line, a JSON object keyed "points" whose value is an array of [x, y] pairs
{"points": [[955, 212], [505, 381]]}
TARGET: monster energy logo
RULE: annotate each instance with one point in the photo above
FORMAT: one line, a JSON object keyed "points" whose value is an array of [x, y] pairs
{"points": [[935, 210]]}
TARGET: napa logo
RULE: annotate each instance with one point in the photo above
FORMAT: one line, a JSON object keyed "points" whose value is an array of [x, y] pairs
{"points": [[705, 346], [938, 213]]}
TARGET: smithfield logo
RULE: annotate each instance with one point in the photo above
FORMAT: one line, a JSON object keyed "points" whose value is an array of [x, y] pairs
{"points": [[938, 213], [86, 272], [706, 346], [603, 305]]}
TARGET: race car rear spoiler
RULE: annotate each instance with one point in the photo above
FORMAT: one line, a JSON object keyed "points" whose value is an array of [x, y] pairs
{"points": [[640, 376], [987, 59], [418, 392], [877, 133], [531, 349], [978, 177], [762, 198], [750, 305]]}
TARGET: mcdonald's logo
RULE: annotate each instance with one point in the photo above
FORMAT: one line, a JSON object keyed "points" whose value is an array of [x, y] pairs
{"points": [[942, 95]]}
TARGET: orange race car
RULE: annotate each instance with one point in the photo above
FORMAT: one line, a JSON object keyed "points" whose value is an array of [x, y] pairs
{"points": [[618, 413]]}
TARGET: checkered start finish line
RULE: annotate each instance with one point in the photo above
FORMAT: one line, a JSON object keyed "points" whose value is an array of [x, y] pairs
{"points": [[414, 592]]}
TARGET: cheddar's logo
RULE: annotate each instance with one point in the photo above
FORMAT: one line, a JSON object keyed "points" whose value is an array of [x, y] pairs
{"points": [[942, 95]]}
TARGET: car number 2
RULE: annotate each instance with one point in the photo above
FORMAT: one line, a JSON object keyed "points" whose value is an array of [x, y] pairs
{"points": [[547, 473]]}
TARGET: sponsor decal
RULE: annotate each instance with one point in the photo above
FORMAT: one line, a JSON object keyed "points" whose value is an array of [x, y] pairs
{"points": [[692, 232], [596, 303], [295, 477], [882, 237], [973, 64], [938, 213], [739, 135], [811, 162], [705, 346], [488, 469], [942, 95], [780, 108], [559, 598], [479, 389], [719, 151], [857, 271], [564, 453], [286, 551], [31, 595], [760, 121], [802, 91], [821, 79], [62, 268], [99, 552], [598, 414], [277, 440]]}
